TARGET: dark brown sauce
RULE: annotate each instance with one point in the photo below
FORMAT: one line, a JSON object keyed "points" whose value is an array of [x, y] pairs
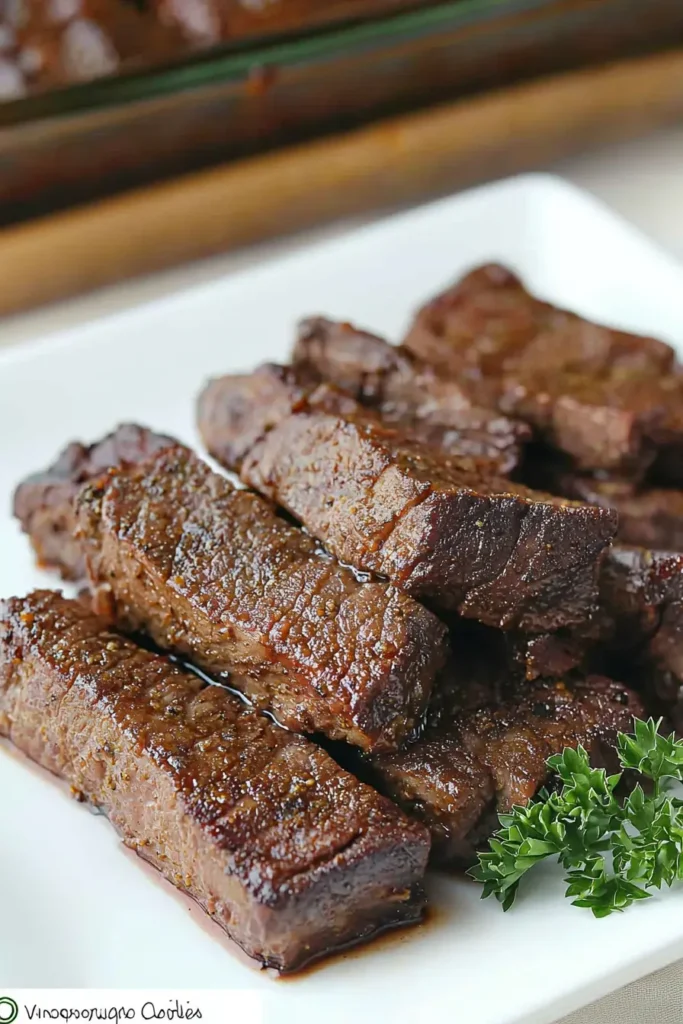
{"points": [[389, 938], [223, 682], [199, 916], [361, 577]]}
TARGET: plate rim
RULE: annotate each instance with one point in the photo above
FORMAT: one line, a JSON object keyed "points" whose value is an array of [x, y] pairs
{"points": [[538, 185]]}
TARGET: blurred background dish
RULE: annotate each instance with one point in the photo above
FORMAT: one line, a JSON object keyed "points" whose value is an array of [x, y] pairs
{"points": [[307, 112], [108, 96]]}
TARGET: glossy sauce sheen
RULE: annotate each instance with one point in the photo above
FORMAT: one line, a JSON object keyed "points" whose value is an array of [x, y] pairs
{"points": [[408, 393], [490, 549], [213, 574], [288, 853], [606, 398]]}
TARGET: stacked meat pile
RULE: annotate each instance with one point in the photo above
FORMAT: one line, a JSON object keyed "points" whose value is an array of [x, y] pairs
{"points": [[384, 636]]}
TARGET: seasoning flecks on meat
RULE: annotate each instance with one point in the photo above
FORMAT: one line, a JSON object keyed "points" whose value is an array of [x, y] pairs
{"points": [[649, 517], [606, 398], [407, 392], [43, 503], [290, 854], [213, 574], [488, 548]]}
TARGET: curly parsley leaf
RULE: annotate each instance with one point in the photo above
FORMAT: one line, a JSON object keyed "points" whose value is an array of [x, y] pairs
{"points": [[646, 751], [615, 850]]}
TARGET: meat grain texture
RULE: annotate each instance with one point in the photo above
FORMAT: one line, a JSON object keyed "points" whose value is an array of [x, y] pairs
{"points": [[211, 573], [290, 854], [609, 400], [43, 503], [485, 759], [488, 548], [407, 392], [649, 517]]}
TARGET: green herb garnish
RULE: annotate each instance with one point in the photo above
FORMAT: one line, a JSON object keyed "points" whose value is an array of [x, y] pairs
{"points": [[614, 850]]}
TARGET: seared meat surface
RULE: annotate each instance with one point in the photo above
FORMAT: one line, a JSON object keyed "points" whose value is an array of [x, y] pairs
{"points": [[407, 392], [604, 397], [213, 574], [439, 782], [292, 856], [640, 624], [636, 585], [649, 517], [491, 756], [43, 503], [438, 629], [490, 549], [546, 655]]}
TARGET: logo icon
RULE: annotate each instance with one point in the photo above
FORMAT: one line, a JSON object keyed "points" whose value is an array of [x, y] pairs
{"points": [[9, 1011]]}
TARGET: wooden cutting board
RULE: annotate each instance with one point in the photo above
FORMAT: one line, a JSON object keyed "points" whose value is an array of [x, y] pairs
{"points": [[388, 164]]}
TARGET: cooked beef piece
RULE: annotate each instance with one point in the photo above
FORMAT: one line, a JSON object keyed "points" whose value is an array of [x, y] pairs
{"points": [[515, 739], [407, 392], [501, 659], [606, 398], [660, 665], [640, 623], [491, 549], [636, 633], [258, 402], [648, 517], [633, 585], [213, 574], [489, 664], [488, 323], [490, 758], [546, 655], [292, 856], [437, 781], [636, 586], [44, 502]]}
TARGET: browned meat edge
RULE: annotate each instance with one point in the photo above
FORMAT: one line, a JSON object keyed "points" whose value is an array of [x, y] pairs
{"points": [[607, 398], [639, 627], [43, 503], [635, 635], [492, 550], [253, 595], [649, 517], [407, 392], [213, 574], [459, 776], [290, 854]]}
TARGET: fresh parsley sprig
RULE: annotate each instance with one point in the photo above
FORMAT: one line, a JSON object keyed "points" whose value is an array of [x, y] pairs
{"points": [[614, 850]]}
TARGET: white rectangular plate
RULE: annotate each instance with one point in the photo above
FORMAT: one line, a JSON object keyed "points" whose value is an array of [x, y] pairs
{"points": [[74, 910]]}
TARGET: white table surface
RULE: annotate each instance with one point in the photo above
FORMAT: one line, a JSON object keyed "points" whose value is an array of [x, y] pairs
{"points": [[642, 180]]}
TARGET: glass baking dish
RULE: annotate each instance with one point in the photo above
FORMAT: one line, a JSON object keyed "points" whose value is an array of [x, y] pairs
{"points": [[92, 139]]}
